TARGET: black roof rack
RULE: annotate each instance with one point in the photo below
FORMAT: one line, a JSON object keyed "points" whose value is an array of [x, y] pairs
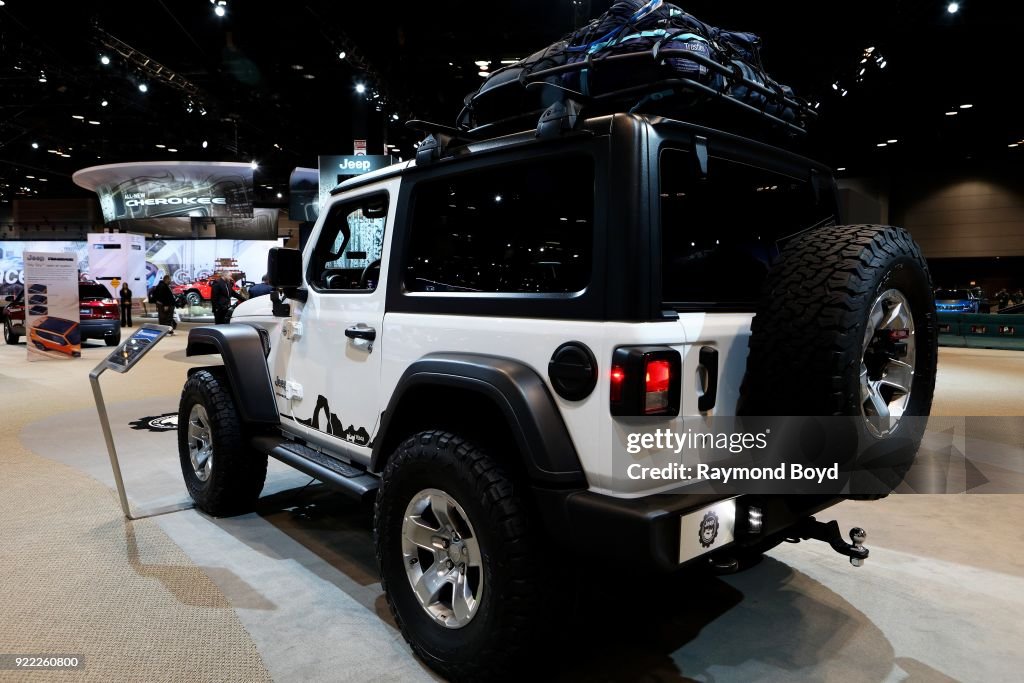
{"points": [[643, 98]]}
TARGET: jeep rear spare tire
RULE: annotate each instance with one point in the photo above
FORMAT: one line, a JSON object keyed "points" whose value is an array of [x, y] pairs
{"points": [[458, 558], [846, 326]]}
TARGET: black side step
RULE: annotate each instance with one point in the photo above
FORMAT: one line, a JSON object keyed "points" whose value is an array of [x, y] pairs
{"points": [[330, 471]]}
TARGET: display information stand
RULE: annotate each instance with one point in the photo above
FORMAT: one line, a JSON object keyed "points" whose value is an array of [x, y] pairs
{"points": [[125, 357]]}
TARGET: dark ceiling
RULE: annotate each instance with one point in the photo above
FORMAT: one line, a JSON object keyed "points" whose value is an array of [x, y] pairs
{"points": [[269, 78]]}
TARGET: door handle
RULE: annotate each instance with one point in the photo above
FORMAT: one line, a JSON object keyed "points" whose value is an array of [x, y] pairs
{"points": [[709, 361], [361, 331]]}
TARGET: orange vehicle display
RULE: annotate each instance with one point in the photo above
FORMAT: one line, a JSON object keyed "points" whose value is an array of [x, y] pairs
{"points": [[56, 334]]}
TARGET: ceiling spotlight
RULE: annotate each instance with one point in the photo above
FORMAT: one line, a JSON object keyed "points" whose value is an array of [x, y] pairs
{"points": [[841, 168], [159, 146], [966, 106], [953, 7], [342, 54], [883, 144], [78, 116], [882, 64], [35, 145], [220, 9], [95, 123], [279, 195], [360, 88], [104, 60], [171, 149], [394, 117], [952, 113], [892, 142], [205, 144], [835, 86], [104, 103], [1015, 144], [143, 87], [202, 111], [42, 77], [253, 165]]}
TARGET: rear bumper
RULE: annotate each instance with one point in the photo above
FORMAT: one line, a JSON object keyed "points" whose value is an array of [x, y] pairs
{"points": [[644, 533], [99, 329]]}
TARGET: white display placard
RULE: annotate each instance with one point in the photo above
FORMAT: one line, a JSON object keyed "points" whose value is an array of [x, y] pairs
{"points": [[51, 306]]}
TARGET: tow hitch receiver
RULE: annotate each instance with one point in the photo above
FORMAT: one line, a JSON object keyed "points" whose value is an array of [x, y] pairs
{"points": [[829, 533]]}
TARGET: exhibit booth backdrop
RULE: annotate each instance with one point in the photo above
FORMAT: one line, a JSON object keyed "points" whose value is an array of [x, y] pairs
{"points": [[184, 260]]}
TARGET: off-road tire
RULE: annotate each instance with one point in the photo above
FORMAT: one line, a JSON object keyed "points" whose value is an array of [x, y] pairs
{"points": [[10, 336], [806, 342], [507, 628], [238, 472]]}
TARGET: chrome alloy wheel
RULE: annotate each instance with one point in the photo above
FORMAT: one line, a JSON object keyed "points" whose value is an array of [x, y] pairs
{"points": [[887, 363], [442, 558], [200, 442]]}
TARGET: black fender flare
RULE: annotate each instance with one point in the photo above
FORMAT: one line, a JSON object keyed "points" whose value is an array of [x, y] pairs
{"points": [[242, 348], [521, 396]]}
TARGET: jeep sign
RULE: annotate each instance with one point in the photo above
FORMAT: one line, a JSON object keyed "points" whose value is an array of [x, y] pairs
{"points": [[335, 170]]}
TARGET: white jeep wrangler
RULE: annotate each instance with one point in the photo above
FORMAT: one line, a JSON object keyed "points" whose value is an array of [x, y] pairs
{"points": [[470, 337]]}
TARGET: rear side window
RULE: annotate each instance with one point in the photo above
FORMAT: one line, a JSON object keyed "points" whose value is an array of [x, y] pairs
{"points": [[517, 228], [720, 234]]}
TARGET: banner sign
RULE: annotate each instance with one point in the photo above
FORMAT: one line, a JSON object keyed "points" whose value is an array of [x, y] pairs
{"points": [[170, 188], [115, 258], [335, 170], [51, 305], [304, 195]]}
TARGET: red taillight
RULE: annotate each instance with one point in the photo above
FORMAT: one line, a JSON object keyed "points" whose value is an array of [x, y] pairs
{"points": [[618, 378], [645, 380], [657, 385]]}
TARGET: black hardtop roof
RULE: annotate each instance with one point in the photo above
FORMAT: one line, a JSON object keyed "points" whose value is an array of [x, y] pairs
{"points": [[599, 125]]}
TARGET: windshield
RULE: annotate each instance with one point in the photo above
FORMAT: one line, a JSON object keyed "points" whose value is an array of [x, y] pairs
{"points": [[952, 294], [92, 292]]}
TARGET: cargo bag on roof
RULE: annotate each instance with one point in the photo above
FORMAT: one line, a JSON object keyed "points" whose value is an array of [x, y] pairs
{"points": [[585, 71]]}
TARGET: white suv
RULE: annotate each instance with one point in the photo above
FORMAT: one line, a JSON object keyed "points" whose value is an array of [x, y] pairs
{"points": [[472, 337]]}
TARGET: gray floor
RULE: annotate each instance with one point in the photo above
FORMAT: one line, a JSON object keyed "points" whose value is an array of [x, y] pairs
{"points": [[939, 599]]}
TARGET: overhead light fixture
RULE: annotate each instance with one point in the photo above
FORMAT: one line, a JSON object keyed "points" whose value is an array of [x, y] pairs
{"points": [[104, 103], [892, 142], [1015, 144], [205, 144], [966, 106], [143, 87], [841, 168], [883, 144], [104, 60], [78, 116], [835, 86], [253, 165], [220, 7], [171, 149], [394, 117], [952, 113], [953, 7], [159, 146], [342, 55], [31, 176], [42, 77], [35, 145], [882, 64], [360, 88], [279, 195], [95, 123], [202, 111], [483, 74]]}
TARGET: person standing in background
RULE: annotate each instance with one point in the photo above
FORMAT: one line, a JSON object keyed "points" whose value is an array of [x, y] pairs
{"points": [[221, 292], [126, 305], [262, 289], [164, 298]]}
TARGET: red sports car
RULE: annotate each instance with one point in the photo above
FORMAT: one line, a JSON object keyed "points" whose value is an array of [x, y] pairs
{"points": [[197, 292]]}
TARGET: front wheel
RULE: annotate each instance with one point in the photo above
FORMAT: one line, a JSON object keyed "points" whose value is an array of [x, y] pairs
{"points": [[10, 336], [223, 476], [458, 558]]}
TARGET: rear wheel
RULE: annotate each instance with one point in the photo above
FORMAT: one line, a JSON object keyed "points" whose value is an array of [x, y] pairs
{"points": [[222, 474], [458, 558], [193, 298], [113, 341], [10, 336]]}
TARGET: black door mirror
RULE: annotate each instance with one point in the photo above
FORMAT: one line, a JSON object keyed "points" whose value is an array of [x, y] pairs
{"points": [[284, 268]]}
